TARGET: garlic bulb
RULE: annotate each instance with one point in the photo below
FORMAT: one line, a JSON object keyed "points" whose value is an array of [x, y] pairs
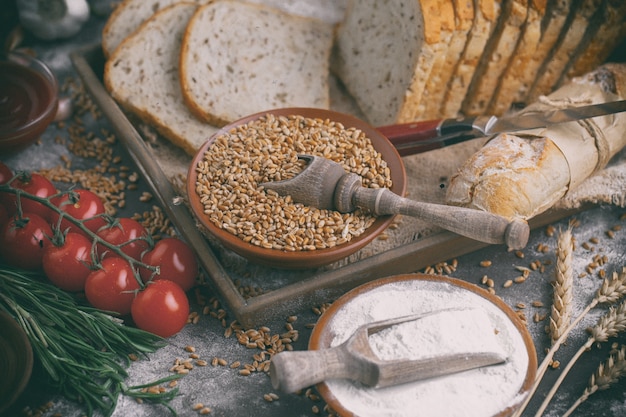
{"points": [[53, 19]]}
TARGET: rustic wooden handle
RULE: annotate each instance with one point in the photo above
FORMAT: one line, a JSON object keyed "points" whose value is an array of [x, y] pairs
{"points": [[291, 371], [475, 224]]}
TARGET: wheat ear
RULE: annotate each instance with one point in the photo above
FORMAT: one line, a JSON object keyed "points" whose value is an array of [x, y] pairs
{"points": [[563, 286], [611, 291], [608, 326], [607, 374]]}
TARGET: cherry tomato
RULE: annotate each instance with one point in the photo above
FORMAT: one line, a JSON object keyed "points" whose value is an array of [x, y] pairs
{"points": [[113, 286], [35, 184], [4, 216], [176, 262], [66, 262], [5, 173], [80, 204], [122, 231], [161, 308], [24, 240]]}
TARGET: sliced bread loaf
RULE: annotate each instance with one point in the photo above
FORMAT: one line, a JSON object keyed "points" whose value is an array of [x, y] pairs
{"points": [[496, 57], [142, 76], [238, 58], [384, 53], [572, 35], [515, 74], [457, 19]]}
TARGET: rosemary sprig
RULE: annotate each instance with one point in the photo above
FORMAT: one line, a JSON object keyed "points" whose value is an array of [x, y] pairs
{"points": [[82, 350]]}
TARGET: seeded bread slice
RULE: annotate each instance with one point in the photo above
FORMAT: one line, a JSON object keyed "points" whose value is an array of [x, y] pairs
{"points": [[456, 20], [127, 17], [572, 36], [142, 76], [384, 53], [514, 75], [611, 33], [238, 59], [496, 57], [486, 13]]}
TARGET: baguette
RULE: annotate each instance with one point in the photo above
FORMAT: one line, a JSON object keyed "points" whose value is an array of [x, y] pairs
{"points": [[252, 58], [142, 76], [522, 175]]}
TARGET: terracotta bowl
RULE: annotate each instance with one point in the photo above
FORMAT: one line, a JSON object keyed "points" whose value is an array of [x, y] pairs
{"points": [[16, 360], [402, 295], [301, 259], [28, 100]]}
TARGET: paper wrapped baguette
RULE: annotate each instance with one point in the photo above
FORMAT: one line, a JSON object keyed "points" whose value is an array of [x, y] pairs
{"points": [[523, 174]]}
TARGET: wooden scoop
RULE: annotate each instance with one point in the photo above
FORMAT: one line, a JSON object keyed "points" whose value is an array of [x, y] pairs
{"points": [[326, 185], [354, 359]]}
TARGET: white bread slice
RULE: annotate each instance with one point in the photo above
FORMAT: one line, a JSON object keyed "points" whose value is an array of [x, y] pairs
{"points": [[570, 38], [238, 59], [486, 13], [384, 53], [460, 17], [612, 31], [496, 57], [127, 17], [142, 76], [512, 79]]}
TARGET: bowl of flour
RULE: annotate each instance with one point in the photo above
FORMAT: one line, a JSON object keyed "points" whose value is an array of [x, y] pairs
{"points": [[474, 320]]}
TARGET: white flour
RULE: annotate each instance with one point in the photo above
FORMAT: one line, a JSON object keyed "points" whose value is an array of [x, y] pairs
{"points": [[480, 392]]}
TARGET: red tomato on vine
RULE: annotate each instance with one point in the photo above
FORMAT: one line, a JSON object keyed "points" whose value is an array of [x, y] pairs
{"points": [[126, 233], [66, 262], [34, 184], [176, 262], [23, 240], [112, 287], [161, 308], [80, 204]]}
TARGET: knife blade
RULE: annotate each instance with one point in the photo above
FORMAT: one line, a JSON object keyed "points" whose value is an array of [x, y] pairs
{"points": [[416, 137]]}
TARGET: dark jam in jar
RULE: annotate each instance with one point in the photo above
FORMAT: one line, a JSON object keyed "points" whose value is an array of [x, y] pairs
{"points": [[25, 95]]}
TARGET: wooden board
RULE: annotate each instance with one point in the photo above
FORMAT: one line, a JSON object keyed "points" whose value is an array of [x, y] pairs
{"points": [[314, 289]]}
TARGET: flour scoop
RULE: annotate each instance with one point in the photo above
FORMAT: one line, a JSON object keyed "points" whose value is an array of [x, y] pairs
{"points": [[324, 184], [357, 360]]}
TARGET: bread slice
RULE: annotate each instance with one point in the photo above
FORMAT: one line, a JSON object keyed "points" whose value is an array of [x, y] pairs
{"points": [[142, 76], [127, 17], [486, 14], [238, 59], [611, 32], [512, 79], [460, 17], [571, 37], [496, 57], [553, 21], [384, 53]]}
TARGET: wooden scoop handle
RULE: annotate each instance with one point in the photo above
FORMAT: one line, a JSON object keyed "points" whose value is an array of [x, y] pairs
{"points": [[291, 371], [475, 224]]}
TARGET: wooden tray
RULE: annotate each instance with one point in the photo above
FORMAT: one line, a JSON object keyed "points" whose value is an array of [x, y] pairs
{"points": [[313, 290]]}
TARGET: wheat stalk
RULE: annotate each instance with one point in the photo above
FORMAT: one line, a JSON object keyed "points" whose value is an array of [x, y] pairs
{"points": [[563, 286], [607, 374], [611, 291], [609, 325]]}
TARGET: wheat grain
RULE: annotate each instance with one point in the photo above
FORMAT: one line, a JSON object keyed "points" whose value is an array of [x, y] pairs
{"points": [[612, 290]]}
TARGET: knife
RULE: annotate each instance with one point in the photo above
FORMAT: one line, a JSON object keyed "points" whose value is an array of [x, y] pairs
{"points": [[416, 137]]}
